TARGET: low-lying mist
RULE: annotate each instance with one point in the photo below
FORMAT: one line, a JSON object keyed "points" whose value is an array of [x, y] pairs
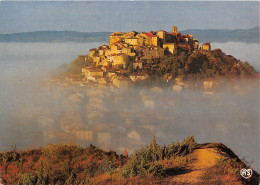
{"points": [[34, 114]]}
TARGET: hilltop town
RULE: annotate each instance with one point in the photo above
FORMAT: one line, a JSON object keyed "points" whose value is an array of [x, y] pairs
{"points": [[171, 58], [140, 47], [128, 55]]}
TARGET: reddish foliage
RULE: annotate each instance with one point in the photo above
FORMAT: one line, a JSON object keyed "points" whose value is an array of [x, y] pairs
{"points": [[59, 165], [126, 153]]}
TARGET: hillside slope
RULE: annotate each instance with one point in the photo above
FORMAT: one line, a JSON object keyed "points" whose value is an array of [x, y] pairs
{"points": [[211, 163], [214, 164]]}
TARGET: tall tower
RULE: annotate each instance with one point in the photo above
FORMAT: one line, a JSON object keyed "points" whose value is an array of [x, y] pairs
{"points": [[174, 29]]}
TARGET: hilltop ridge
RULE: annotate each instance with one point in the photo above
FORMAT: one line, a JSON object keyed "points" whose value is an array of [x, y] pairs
{"points": [[186, 162], [55, 36], [204, 35]]}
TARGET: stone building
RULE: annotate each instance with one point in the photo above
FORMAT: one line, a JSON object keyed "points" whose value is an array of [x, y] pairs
{"points": [[139, 48], [121, 82], [205, 46], [92, 71]]}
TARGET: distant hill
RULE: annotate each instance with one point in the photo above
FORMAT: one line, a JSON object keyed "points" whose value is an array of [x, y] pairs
{"points": [[55, 36], [213, 35], [203, 35]]}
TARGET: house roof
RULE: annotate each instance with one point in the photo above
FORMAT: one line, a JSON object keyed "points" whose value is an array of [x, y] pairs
{"points": [[137, 74], [150, 35], [185, 36], [117, 41], [117, 33], [122, 70], [168, 44], [131, 38], [110, 69], [94, 69], [117, 54], [103, 47], [161, 30], [206, 43]]}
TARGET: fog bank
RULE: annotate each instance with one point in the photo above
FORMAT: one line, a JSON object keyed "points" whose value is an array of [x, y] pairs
{"points": [[33, 114]]}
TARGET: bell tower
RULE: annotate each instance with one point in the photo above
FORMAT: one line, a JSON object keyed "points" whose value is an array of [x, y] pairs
{"points": [[174, 29]]}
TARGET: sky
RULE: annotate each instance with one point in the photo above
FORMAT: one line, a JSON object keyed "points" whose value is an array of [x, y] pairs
{"points": [[99, 16]]}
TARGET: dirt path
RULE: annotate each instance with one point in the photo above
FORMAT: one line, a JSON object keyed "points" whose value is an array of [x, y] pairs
{"points": [[206, 158]]}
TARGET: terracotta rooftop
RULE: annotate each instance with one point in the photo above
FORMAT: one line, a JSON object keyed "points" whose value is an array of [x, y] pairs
{"points": [[117, 41], [150, 35]]}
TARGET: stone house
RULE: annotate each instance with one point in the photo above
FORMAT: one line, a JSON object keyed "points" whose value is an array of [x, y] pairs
{"points": [[195, 44], [119, 59], [93, 52], [132, 41], [205, 46], [138, 64], [170, 46], [138, 76], [114, 37], [121, 82], [92, 71]]}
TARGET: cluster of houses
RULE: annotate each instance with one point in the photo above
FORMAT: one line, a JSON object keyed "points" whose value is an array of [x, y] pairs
{"points": [[112, 118], [138, 49]]}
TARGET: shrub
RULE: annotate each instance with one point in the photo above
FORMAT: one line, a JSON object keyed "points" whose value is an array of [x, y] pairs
{"points": [[231, 166], [183, 148], [142, 161]]}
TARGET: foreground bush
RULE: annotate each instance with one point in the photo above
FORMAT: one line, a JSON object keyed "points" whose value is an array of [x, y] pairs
{"points": [[143, 161]]}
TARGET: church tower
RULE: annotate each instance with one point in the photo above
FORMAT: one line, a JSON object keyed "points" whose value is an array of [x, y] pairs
{"points": [[174, 29]]}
